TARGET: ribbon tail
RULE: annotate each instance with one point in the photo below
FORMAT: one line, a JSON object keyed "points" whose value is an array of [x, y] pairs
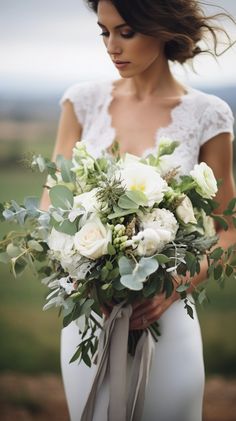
{"points": [[118, 367], [103, 360], [140, 376]]}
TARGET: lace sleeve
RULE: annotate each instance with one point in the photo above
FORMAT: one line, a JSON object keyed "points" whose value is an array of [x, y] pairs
{"points": [[217, 118], [75, 94]]}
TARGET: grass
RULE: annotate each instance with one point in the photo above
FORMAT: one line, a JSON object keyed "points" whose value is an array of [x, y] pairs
{"points": [[30, 337]]}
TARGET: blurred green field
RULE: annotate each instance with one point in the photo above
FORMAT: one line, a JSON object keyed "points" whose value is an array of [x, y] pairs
{"points": [[30, 337]]}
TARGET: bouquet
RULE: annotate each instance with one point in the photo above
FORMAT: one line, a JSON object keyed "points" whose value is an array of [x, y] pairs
{"points": [[118, 230]]}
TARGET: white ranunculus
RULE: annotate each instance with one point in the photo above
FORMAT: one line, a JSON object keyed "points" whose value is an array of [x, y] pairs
{"points": [[185, 211], [159, 228], [160, 219], [60, 242], [92, 239], [144, 178], [147, 242], [205, 179]]}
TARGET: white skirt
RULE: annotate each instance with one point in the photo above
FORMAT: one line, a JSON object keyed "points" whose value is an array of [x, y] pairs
{"points": [[176, 383]]}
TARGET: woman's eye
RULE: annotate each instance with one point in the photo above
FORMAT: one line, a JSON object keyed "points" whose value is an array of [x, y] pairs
{"points": [[104, 34], [129, 34]]}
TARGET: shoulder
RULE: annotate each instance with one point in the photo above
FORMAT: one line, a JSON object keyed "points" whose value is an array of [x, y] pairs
{"points": [[85, 96], [214, 115]]}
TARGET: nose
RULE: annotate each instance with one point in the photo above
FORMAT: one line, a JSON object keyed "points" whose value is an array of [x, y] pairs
{"points": [[113, 46]]}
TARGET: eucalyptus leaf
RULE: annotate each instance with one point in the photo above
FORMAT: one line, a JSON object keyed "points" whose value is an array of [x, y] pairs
{"points": [[4, 257], [130, 282], [61, 197], [13, 251], [126, 266], [34, 245]]}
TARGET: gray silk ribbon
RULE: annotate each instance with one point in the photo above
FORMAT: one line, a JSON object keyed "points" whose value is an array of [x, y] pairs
{"points": [[112, 356]]}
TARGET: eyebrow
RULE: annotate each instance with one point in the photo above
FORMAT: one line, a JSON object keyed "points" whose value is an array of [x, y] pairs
{"points": [[116, 27]]}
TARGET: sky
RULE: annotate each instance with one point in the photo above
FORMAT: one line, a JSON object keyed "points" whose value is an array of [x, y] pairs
{"points": [[47, 45]]}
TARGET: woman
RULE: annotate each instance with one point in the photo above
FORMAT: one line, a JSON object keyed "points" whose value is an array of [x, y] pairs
{"points": [[147, 102]]}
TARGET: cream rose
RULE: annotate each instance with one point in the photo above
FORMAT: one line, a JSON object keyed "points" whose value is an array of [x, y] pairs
{"points": [[205, 179], [185, 211], [92, 239], [144, 178]]}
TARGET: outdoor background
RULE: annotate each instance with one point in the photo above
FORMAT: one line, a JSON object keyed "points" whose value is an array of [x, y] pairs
{"points": [[46, 47]]}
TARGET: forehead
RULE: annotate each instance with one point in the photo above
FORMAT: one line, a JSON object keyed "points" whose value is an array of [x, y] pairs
{"points": [[108, 15]]}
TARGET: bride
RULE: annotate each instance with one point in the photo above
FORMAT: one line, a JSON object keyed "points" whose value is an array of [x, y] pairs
{"points": [[144, 104]]}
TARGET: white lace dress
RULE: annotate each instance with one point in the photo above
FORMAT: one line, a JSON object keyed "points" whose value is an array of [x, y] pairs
{"points": [[176, 383]]}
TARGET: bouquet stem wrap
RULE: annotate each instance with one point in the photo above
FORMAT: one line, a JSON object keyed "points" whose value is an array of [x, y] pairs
{"points": [[112, 355]]}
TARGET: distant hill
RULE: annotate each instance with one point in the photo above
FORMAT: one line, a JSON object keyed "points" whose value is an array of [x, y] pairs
{"points": [[46, 107]]}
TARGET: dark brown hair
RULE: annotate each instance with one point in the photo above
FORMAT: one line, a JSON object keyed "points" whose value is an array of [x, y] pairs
{"points": [[181, 24]]}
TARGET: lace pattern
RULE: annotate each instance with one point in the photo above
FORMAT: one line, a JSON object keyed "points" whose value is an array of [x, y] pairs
{"points": [[196, 119]]}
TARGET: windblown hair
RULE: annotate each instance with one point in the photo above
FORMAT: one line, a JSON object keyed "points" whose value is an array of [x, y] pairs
{"points": [[181, 24]]}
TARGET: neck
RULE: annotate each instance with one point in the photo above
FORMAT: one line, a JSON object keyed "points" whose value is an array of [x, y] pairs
{"points": [[156, 80]]}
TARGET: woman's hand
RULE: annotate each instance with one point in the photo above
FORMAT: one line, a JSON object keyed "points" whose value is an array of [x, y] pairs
{"points": [[150, 310], [145, 312]]}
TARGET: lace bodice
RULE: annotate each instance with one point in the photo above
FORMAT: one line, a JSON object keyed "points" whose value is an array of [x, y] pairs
{"points": [[195, 120]]}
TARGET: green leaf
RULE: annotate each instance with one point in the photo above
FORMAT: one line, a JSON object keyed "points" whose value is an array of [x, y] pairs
{"points": [[104, 273], [76, 355], [13, 251], [34, 245], [218, 272], [125, 203], [67, 175], [4, 257], [234, 221], [232, 204], [137, 197], [182, 288], [162, 259], [229, 270], [202, 296], [67, 227], [189, 309], [217, 253], [111, 249], [120, 212], [221, 221], [61, 197]]}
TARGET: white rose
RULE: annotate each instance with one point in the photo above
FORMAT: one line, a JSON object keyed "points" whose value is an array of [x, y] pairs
{"points": [[88, 200], [205, 179], [185, 211], [60, 242], [92, 239], [144, 178]]}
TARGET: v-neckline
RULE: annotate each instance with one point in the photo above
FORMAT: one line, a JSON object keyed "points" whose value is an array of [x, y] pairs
{"points": [[174, 110]]}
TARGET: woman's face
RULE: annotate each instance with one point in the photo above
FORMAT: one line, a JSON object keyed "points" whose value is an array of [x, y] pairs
{"points": [[135, 51]]}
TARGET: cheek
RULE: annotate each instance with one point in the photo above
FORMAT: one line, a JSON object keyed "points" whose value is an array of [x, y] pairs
{"points": [[146, 50]]}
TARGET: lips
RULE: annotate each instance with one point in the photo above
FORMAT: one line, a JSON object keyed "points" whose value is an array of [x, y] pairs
{"points": [[121, 64]]}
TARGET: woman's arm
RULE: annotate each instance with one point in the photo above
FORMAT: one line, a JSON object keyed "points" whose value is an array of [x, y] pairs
{"points": [[217, 153], [69, 132]]}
